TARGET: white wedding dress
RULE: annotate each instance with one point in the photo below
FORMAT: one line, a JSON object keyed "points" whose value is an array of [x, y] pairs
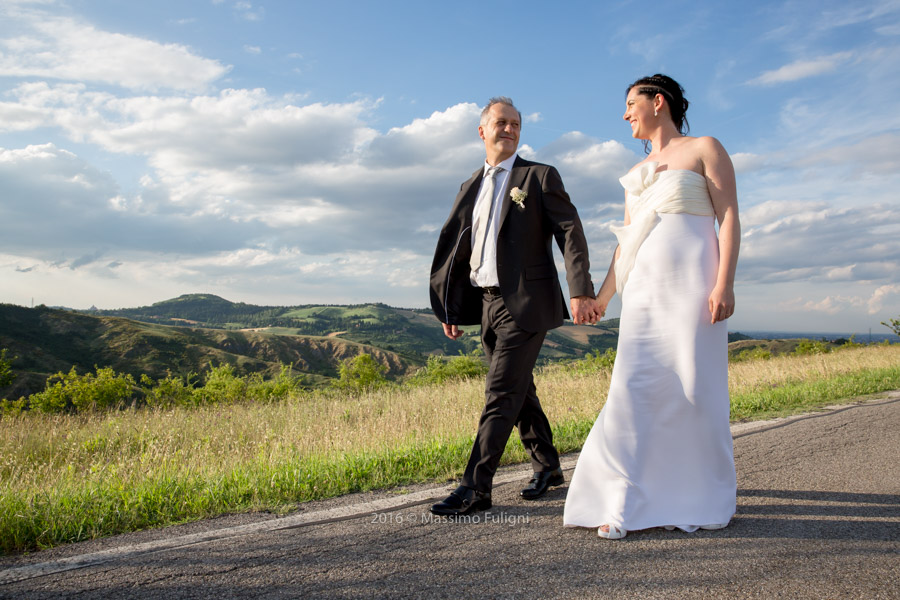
{"points": [[660, 453]]}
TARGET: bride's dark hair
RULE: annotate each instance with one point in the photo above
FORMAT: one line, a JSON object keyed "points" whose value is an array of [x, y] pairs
{"points": [[671, 91]]}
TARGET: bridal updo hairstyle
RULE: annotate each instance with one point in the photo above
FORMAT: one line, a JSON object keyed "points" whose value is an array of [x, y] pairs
{"points": [[671, 91]]}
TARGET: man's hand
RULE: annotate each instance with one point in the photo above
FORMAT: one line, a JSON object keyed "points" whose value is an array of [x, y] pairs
{"points": [[585, 310], [452, 331]]}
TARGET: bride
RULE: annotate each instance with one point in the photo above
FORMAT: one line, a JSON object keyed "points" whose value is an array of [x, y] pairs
{"points": [[660, 453]]}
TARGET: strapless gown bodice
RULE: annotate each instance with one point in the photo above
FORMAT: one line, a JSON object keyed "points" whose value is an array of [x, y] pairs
{"points": [[651, 193]]}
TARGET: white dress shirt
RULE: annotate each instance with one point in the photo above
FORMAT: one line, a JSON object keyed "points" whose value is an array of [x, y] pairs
{"points": [[486, 274]]}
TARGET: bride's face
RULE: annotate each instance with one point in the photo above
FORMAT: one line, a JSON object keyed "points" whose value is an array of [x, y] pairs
{"points": [[639, 112]]}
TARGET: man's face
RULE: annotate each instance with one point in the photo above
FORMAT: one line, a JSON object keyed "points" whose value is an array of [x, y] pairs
{"points": [[500, 133]]}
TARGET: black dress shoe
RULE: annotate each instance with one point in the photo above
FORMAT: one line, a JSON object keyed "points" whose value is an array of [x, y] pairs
{"points": [[541, 482], [462, 501]]}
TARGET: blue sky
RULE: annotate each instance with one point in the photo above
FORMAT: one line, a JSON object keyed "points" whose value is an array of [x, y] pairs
{"points": [[304, 152]]}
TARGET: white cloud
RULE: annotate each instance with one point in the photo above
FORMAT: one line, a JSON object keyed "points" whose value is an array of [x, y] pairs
{"points": [[588, 156], [802, 69], [873, 303], [881, 296], [16, 117], [876, 154], [746, 162], [447, 138], [67, 49], [59, 208], [831, 305], [851, 14], [246, 11], [590, 169], [892, 29], [789, 241]]}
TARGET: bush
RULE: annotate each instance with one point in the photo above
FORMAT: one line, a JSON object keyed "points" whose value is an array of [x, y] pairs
{"points": [[108, 390], [851, 343], [70, 392], [594, 362], [361, 373], [167, 392], [13, 407], [222, 387], [437, 370], [285, 385], [806, 347], [752, 354]]}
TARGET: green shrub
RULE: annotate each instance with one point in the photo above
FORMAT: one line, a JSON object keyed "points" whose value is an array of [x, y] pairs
{"points": [[169, 391], [13, 407], [437, 370], [851, 343], [361, 373], [806, 347], [752, 354], [594, 362], [107, 390], [285, 385], [71, 392], [222, 387]]}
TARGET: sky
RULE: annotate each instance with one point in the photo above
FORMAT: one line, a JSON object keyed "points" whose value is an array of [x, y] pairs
{"points": [[284, 153]]}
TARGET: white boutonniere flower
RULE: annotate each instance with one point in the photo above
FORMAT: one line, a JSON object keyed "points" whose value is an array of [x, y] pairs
{"points": [[518, 196]]}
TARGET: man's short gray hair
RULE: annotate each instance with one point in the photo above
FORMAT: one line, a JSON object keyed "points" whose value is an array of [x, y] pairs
{"points": [[498, 100]]}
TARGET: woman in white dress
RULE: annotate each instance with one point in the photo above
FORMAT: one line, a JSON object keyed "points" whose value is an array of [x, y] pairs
{"points": [[660, 453]]}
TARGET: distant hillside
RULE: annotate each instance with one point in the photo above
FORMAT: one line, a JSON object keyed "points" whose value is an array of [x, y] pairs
{"points": [[737, 336], [401, 330], [410, 332], [46, 341], [190, 333], [775, 347]]}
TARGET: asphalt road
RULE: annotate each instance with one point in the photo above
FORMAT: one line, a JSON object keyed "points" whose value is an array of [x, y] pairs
{"points": [[818, 517]]}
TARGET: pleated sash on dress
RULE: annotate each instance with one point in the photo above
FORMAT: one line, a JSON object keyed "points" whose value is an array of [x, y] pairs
{"points": [[648, 194]]}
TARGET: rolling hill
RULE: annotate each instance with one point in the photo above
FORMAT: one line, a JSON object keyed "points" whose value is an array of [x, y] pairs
{"points": [[45, 341], [192, 332], [414, 333]]}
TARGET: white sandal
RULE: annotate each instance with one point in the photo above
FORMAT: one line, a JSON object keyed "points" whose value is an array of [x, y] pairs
{"points": [[715, 526], [612, 532]]}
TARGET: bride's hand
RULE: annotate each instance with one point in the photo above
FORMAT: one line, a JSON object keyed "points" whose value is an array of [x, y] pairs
{"points": [[721, 303]]}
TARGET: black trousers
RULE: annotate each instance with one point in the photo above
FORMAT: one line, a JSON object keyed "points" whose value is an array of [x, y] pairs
{"points": [[510, 398]]}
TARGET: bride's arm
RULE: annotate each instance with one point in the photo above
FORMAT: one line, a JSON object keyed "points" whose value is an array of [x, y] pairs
{"points": [[608, 289], [723, 190]]}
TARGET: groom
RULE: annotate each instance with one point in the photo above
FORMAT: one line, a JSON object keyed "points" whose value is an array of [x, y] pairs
{"points": [[494, 265]]}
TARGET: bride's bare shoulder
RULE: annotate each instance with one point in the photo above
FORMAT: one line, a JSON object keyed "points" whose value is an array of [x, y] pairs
{"points": [[705, 144]]}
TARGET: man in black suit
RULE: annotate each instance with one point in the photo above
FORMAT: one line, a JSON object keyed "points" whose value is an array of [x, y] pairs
{"points": [[494, 265]]}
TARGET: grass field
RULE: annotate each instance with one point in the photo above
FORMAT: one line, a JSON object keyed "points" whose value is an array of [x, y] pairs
{"points": [[65, 478]]}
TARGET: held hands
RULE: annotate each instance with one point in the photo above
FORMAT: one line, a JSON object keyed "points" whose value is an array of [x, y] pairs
{"points": [[586, 310], [721, 303]]}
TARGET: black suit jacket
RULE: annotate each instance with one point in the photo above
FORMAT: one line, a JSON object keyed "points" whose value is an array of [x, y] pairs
{"points": [[528, 277]]}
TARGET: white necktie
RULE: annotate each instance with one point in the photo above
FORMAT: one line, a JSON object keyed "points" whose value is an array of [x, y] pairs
{"points": [[480, 226]]}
